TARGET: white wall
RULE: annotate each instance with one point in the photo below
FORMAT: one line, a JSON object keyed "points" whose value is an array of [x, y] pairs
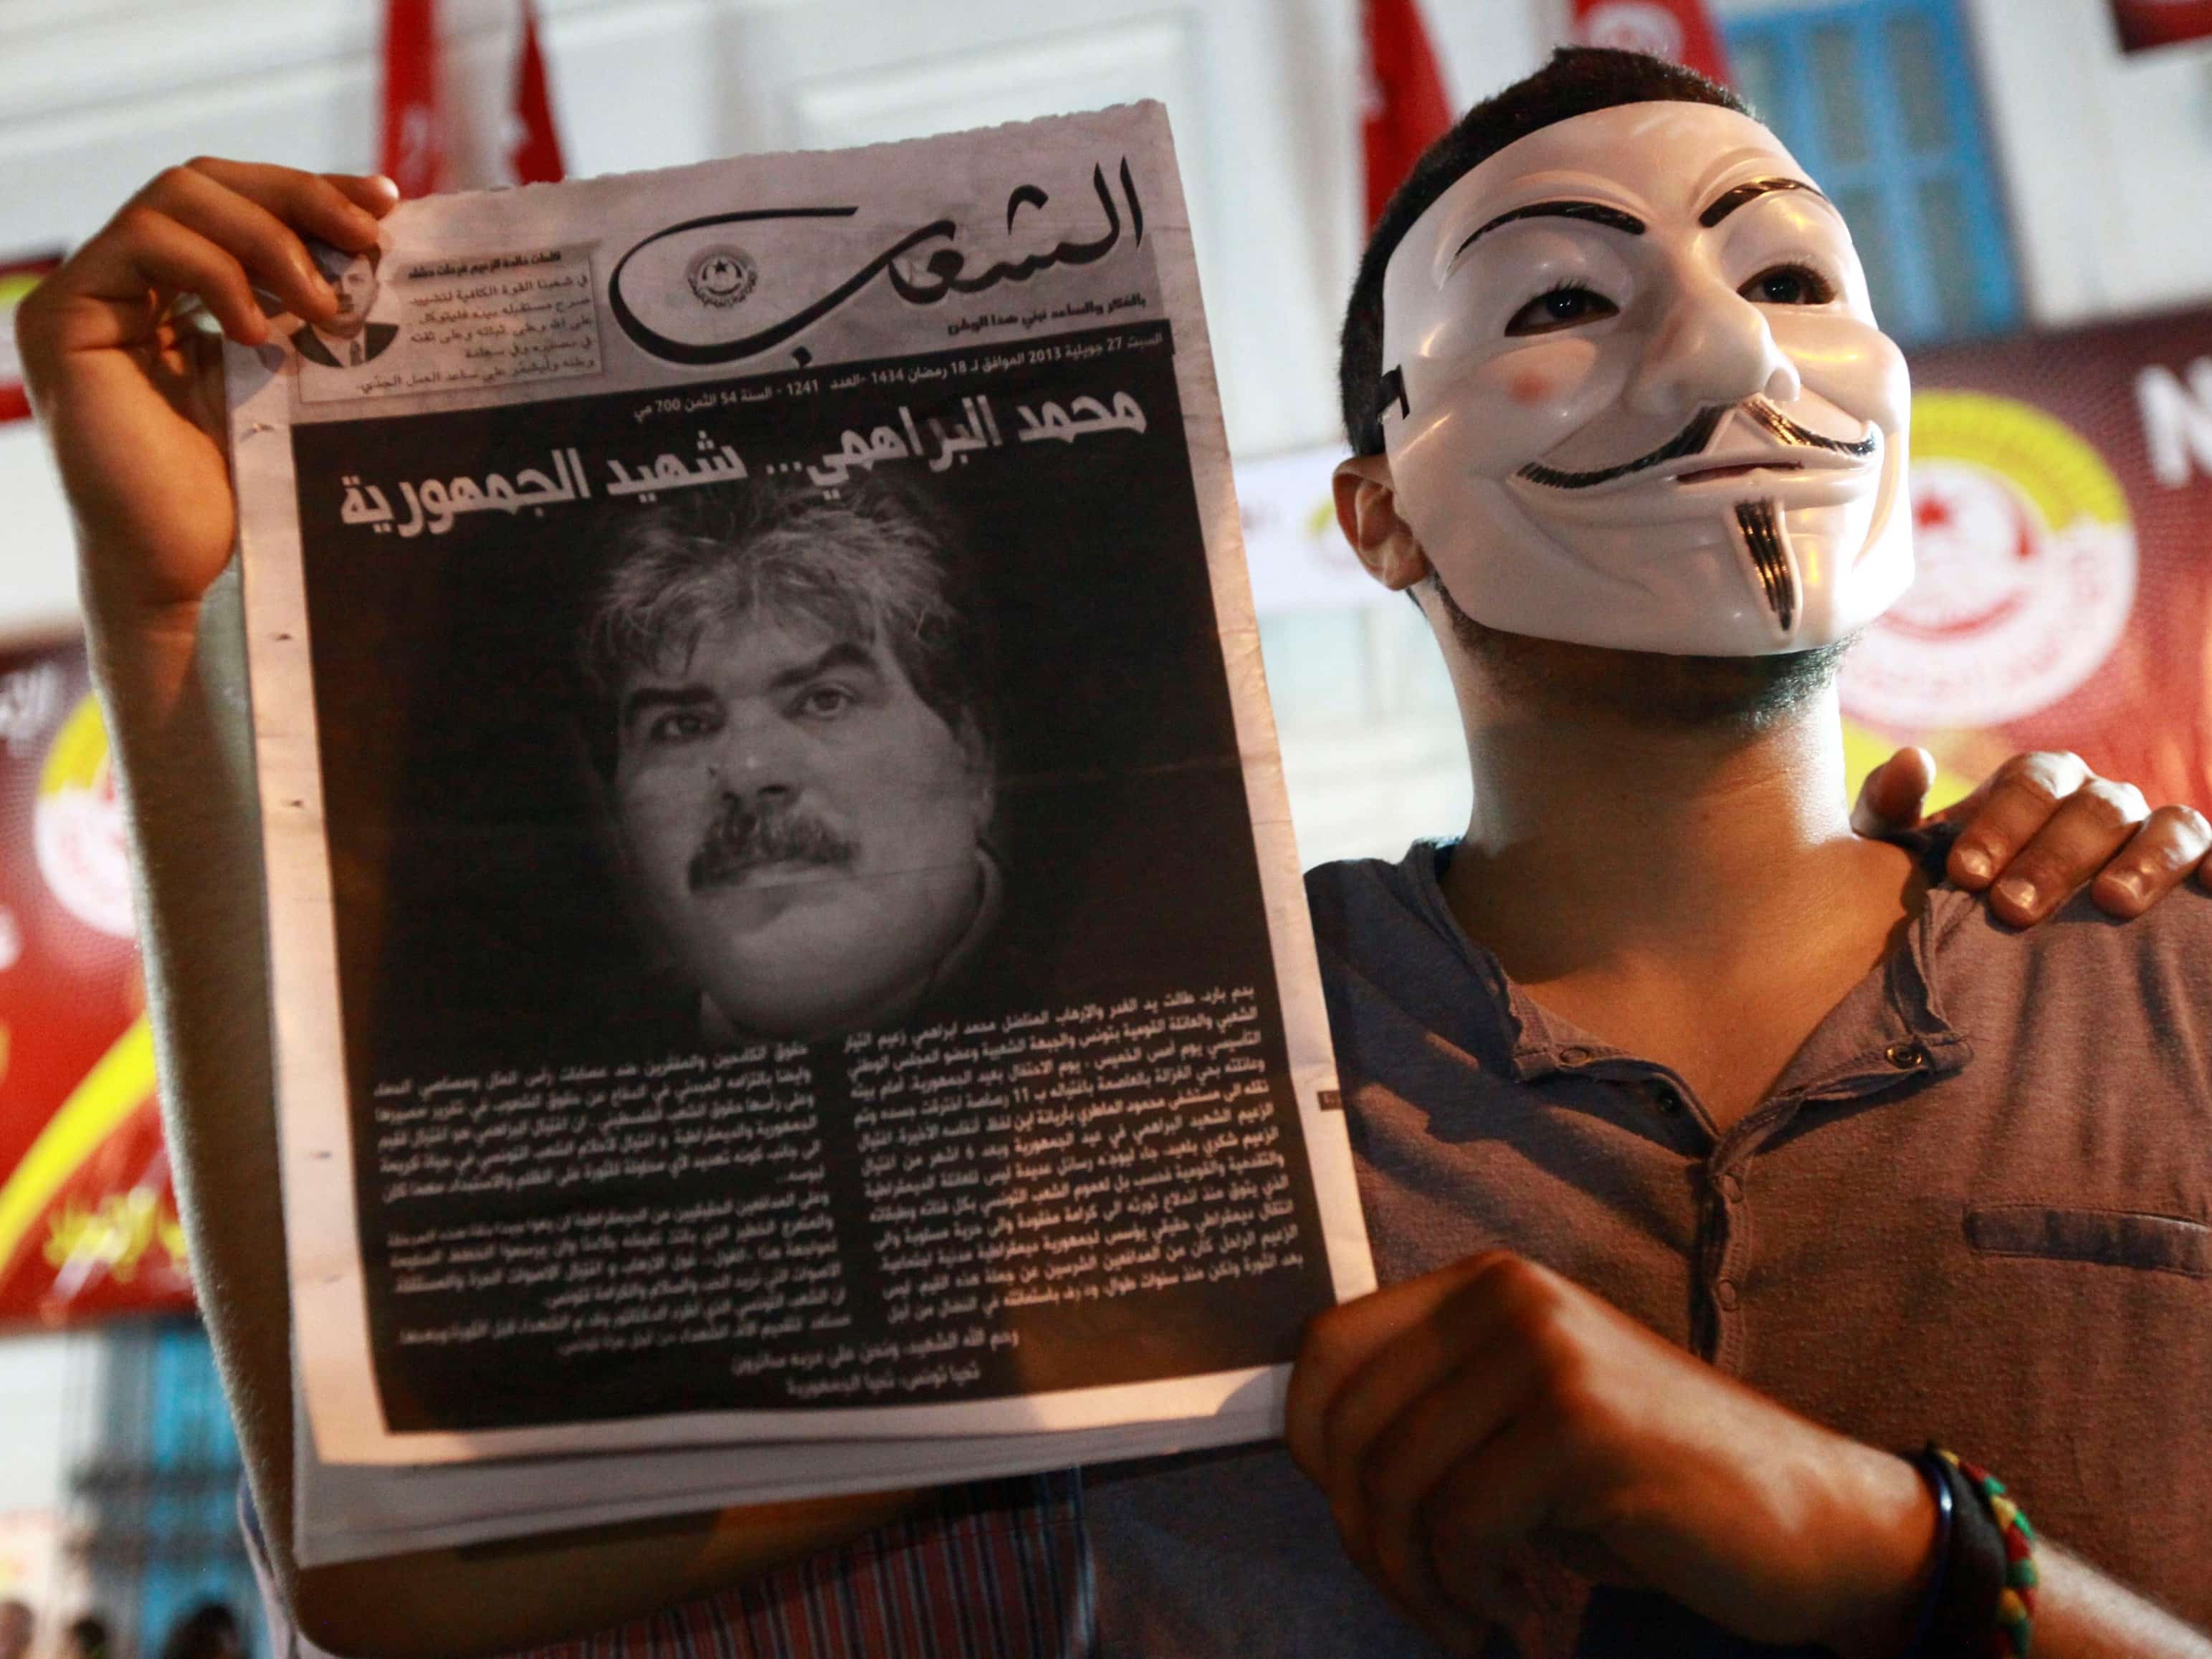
{"points": [[35, 1371], [2107, 155]]}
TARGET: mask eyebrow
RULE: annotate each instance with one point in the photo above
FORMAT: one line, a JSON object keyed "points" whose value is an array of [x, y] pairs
{"points": [[1730, 200], [1595, 212]]}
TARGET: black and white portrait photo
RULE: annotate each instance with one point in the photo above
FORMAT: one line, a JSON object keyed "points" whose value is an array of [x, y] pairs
{"points": [[797, 755], [350, 339]]}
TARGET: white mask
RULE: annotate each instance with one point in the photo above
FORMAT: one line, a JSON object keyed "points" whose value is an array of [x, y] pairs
{"points": [[1641, 401]]}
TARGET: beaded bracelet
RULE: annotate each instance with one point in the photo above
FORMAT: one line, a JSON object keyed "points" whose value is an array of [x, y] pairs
{"points": [[2016, 1610]]}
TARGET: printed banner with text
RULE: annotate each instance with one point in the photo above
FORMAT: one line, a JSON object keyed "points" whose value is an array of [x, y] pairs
{"points": [[88, 1219], [2061, 496]]}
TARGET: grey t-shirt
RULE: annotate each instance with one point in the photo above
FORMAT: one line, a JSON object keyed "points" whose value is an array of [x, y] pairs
{"points": [[1976, 1208]]}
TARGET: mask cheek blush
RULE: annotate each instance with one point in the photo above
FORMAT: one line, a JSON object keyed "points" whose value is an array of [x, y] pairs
{"points": [[1545, 390], [1526, 386]]}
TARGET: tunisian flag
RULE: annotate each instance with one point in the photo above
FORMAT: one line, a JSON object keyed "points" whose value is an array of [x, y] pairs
{"points": [[1676, 29], [1406, 109], [416, 152]]}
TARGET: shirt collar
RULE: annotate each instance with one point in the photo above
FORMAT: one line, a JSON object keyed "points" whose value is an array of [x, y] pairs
{"points": [[1889, 1026]]}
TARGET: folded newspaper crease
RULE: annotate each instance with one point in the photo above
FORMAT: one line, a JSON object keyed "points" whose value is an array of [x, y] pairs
{"points": [[792, 974]]}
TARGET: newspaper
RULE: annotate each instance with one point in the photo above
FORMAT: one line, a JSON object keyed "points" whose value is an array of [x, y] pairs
{"points": [[782, 904]]}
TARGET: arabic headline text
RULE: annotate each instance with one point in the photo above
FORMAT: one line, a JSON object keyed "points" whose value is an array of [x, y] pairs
{"points": [[938, 433]]}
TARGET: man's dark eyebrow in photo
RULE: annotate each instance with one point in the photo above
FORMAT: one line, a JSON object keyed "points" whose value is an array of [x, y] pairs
{"points": [[653, 699]]}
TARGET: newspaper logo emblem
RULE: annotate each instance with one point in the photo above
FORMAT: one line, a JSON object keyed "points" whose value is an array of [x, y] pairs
{"points": [[721, 276]]}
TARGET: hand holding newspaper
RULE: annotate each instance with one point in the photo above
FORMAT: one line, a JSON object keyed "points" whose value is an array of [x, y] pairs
{"points": [[792, 973]]}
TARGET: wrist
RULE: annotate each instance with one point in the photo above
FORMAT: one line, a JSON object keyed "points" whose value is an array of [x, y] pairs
{"points": [[141, 653], [1892, 1557]]}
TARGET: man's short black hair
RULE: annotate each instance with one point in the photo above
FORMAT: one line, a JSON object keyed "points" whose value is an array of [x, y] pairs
{"points": [[1576, 81]]}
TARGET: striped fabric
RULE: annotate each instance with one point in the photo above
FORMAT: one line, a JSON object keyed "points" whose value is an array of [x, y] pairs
{"points": [[999, 1570]]}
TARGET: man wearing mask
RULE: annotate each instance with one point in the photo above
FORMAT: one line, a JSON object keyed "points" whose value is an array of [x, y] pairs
{"points": [[1717, 1156], [1724, 1164]]}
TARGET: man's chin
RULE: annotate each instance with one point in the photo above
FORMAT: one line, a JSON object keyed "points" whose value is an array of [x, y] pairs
{"points": [[1649, 688]]}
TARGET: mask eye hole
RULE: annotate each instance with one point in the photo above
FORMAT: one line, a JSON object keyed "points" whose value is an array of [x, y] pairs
{"points": [[1789, 285], [1568, 305]]}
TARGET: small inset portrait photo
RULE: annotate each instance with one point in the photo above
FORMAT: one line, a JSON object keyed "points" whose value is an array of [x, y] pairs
{"points": [[350, 339]]}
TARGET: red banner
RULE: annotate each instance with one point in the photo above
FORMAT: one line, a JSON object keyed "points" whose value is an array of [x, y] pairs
{"points": [[1676, 29], [2147, 23], [87, 1217], [2061, 493], [17, 279]]}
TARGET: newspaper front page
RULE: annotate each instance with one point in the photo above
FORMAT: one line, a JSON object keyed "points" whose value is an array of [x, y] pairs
{"points": [[783, 905]]}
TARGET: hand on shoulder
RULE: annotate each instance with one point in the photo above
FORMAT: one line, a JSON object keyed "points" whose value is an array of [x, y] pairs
{"points": [[2033, 831]]}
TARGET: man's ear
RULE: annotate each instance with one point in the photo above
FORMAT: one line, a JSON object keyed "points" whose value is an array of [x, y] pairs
{"points": [[982, 768], [1367, 512]]}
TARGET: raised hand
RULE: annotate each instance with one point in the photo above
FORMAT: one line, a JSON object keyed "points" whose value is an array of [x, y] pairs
{"points": [[121, 367]]}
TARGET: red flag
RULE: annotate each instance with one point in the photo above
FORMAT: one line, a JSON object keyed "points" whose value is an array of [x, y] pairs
{"points": [[1676, 29], [534, 157], [1406, 109], [2147, 23], [414, 137]]}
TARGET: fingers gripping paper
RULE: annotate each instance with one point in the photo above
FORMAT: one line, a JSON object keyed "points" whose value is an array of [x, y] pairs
{"points": [[782, 896]]}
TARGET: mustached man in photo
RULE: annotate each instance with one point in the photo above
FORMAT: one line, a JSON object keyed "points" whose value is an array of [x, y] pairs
{"points": [[797, 756]]}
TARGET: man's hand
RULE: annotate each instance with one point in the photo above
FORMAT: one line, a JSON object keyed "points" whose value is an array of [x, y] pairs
{"points": [[123, 382], [1456, 1418], [2038, 827]]}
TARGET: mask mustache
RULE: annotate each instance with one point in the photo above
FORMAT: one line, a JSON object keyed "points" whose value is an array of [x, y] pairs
{"points": [[1781, 426], [1693, 438], [747, 836]]}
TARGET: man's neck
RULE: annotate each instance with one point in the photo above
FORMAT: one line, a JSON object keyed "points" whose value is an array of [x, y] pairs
{"points": [[1638, 878]]}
